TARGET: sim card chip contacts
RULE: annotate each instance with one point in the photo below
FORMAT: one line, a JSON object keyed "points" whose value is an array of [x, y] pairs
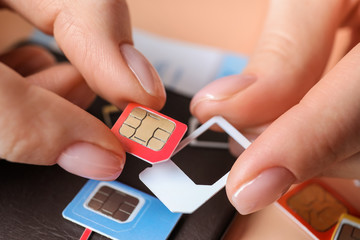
{"points": [[117, 205], [146, 128], [118, 211], [148, 134], [315, 207]]}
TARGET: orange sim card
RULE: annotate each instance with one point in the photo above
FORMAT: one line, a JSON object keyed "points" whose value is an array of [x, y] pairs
{"points": [[316, 207], [148, 134]]}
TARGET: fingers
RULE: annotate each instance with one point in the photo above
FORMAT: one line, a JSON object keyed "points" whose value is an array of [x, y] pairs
{"points": [[39, 127], [38, 65], [347, 168], [96, 38], [64, 80], [311, 139], [290, 58], [251, 134], [27, 60]]}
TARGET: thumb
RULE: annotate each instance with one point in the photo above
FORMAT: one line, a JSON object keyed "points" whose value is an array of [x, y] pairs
{"points": [[321, 132], [290, 58], [40, 127], [96, 38]]}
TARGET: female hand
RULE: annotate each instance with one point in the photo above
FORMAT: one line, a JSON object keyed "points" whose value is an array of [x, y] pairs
{"points": [[40, 122], [315, 118]]}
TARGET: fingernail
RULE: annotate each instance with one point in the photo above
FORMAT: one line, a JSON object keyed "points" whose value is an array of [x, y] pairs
{"points": [[90, 161], [223, 88], [143, 70], [266, 188]]}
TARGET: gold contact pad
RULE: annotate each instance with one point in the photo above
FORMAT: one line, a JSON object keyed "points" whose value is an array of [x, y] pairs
{"points": [[147, 128], [349, 232], [317, 207]]}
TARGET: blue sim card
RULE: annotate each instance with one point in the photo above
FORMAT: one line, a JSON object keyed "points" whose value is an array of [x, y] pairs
{"points": [[118, 211]]}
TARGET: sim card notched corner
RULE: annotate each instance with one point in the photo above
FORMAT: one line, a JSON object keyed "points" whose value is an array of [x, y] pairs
{"points": [[147, 134]]}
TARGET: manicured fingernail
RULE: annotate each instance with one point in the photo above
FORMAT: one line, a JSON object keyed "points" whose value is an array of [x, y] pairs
{"points": [[143, 70], [90, 161], [223, 88], [266, 188]]}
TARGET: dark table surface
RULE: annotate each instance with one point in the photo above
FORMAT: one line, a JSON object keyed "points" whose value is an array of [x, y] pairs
{"points": [[32, 198]]}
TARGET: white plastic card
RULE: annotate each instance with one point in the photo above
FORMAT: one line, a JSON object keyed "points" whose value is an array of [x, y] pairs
{"points": [[173, 187], [193, 124]]}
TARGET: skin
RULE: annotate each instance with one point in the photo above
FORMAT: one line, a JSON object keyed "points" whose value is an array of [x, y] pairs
{"points": [[45, 99], [307, 121], [312, 118]]}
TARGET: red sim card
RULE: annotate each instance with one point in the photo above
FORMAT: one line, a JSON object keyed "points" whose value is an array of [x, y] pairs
{"points": [[148, 134], [316, 207]]}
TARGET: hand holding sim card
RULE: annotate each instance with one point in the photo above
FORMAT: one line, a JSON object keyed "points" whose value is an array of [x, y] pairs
{"points": [[148, 134]]}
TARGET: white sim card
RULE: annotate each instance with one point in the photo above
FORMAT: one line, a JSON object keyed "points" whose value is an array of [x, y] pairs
{"points": [[173, 187]]}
